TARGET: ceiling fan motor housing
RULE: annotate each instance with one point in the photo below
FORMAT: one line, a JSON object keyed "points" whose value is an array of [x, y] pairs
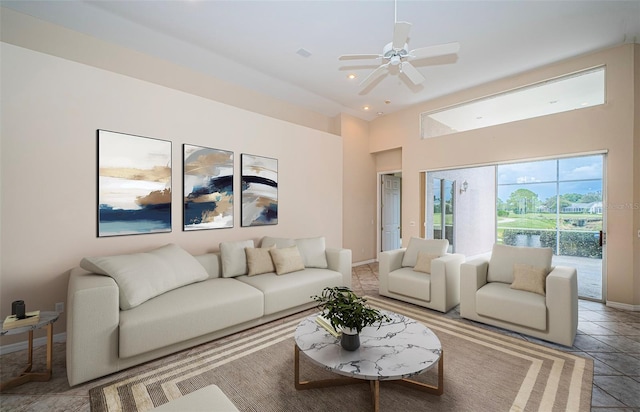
{"points": [[388, 51]]}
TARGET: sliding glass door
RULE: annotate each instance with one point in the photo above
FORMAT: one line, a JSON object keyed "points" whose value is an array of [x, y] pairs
{"points": [[556, 203]]}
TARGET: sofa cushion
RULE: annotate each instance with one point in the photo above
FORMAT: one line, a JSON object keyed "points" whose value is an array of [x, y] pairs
{"points": [[259, 261], [234, 258], [282, 292], [408, 282], [278, 242], [529, 278], [498, 301], [187, 313], [142, 276], [287, 260], [423, 264], [503, 258], [312, 251], [416, 245]]}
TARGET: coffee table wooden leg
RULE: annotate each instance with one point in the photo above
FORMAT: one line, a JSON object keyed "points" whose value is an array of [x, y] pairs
{"points": [[375, 395], [434, 390], [323, 383]]}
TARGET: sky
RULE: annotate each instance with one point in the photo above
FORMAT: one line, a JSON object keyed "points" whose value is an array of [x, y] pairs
{"points": [[575, 175]]}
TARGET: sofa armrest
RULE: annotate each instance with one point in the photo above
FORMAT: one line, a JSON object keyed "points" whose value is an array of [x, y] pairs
{"points": [[473, 276], [445, 280], [340, 261], [93, 316], [562, 303], [389, 261]]}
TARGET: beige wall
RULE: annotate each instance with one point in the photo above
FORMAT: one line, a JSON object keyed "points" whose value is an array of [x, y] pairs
{"points": [[35, 34], [359, 190], [609, 127], [51, 108]]}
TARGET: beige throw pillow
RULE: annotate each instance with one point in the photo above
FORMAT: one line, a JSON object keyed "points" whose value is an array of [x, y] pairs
{"points": [[259, 260], [529, 278], [424, 262], [287, 260]]}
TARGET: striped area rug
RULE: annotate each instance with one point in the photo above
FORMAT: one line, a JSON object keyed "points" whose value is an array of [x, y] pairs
{"points": [[483, 371]]}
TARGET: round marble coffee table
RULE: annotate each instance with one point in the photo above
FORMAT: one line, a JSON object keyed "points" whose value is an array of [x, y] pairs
{"points": [[399, 349]]}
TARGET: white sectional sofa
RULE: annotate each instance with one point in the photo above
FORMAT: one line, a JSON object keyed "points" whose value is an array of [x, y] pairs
{"points": [[129, 309]]}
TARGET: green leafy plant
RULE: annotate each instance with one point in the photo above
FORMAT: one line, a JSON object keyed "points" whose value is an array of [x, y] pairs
{"points": [[346, 309]]}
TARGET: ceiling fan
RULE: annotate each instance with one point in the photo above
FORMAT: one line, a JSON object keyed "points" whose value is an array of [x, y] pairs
{"points": [[397, 54]]}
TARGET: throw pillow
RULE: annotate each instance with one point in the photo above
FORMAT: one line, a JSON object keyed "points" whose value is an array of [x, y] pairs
{"points": [[423, 263], [142, 276], [529, 278], [287, 260], [278, 242], [259, 261], [313, 252], [234, 258], [416, 245]]}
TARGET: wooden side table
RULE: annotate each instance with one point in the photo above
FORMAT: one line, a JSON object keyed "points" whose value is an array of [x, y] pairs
{"points": [[46, 321]]}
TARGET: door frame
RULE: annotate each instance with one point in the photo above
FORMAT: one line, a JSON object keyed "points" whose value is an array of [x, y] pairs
{"points": [[379, 208]]}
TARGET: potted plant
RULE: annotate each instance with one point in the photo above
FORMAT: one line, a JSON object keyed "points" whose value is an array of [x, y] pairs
{"points": [[346, 310]]}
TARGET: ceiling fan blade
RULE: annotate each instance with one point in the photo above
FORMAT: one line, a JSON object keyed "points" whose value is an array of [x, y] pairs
{"points": [[374, 75], [434, 51], [412, 73], [359, 56], [400, 34]]}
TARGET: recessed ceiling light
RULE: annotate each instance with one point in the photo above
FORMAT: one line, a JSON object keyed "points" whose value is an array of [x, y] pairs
{"points": [[352, 76], [303, 52], [380, 113], [478, 117], [365, 108], [553, 102]]}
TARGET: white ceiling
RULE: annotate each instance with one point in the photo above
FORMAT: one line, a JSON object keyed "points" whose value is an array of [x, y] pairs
{"points": [[254, 43]]}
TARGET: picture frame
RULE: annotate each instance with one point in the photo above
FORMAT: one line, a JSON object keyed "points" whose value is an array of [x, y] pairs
{"points": [[259, 190], [207, 188], [134, 184]]}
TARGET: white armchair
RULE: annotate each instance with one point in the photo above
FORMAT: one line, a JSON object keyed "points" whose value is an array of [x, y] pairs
{"points": [[423, 274], [518, 289]]}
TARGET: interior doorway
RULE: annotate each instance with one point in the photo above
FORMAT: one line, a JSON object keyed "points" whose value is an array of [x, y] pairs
{"points": [[390, 207]]}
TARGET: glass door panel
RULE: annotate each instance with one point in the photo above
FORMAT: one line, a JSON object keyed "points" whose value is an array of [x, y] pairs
{"points": [[557, 204]]}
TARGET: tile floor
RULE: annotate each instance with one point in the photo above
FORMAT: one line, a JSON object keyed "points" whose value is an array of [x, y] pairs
{"points": [[610, 337]]}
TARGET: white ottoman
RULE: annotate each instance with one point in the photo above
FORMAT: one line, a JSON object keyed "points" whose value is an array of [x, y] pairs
{"points": [[209, 398]]}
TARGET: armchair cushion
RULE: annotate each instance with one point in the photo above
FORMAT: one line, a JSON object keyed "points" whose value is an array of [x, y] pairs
{"points": [[423, 263], [417, 245], [529, 278], [407, 282], [503, 259], [498, 301]]}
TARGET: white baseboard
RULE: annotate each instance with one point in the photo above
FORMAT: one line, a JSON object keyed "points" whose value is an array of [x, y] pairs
{"points": [[15, 347], [365, 262], [623, 306]]}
